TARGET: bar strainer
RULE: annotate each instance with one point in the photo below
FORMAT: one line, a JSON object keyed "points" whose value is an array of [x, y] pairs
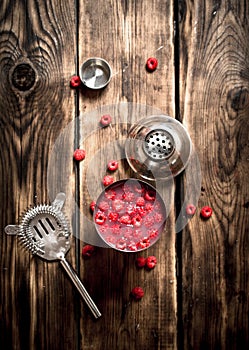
{"points": [[158, 147], [44, 230]]}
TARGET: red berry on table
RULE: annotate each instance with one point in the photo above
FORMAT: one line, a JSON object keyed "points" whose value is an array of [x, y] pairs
{"points": [[100, 218], [151, 63], [190, 209], [79, 154], [137, 293], [88, 250], [140, 261], [206, 212], [105, 120], [112, 165], [107, 180], [151, 262], [92, 205], [75, 81]]}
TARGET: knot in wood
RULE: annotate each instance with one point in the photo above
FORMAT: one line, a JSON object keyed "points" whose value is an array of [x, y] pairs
{"points": [[23, 77], [239, 98]]}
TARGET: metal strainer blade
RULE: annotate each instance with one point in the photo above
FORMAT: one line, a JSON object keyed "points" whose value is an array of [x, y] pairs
{"points": [[45, 232]]}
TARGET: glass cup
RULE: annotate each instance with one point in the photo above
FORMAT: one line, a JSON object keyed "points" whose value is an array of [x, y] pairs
{"points": [[129, 215]]}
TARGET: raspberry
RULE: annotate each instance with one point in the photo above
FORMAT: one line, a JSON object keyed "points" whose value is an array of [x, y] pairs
{"points": [[132, 246], [111, 239], [118, 205], [140, 261], [140, 201], [75, 81], [151, 262], [130, 210], [121, 244], [151, 64], [190, 209], [127, 231], [115, 229], [100, 218], [127, 187], [150, 196], [92, 205], [136, 221], [149, 206], [112, 165], [105, 120], [113, 216], [107, 180], [144, 243], [79, 154], [158, 217], [128, 196], [157, 206], [139, 189], [125, 219], [88, 250], [149, 221], [104, 228], [206, 212], [141, 211], [137, 233], [110, 194], [137, 293], [153, 233], [104, 206]]}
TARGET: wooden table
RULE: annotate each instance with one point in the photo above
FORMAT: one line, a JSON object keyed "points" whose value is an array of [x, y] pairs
{"points": [[197, 295]]}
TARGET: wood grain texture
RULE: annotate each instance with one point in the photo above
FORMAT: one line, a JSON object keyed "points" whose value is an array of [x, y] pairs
{"points": [[37, 48], [214, 94], [197, 296], [126, 33]]}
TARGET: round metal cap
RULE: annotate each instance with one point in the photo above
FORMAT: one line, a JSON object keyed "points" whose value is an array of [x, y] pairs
{"points": [[159, 144], [95, 73]]}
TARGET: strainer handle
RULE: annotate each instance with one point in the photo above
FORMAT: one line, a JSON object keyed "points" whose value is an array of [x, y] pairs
{"points": [[78, 284]]}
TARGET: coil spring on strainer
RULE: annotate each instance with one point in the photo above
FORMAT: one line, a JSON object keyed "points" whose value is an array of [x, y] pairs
{"points": [[41, 221], [159, 144]]}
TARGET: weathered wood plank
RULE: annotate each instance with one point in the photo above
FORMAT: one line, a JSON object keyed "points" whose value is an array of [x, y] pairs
{"points": [[125, 33], [37, 48], [214, 94]]}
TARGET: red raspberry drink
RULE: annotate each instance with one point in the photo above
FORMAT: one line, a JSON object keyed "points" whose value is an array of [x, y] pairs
{"points": [[131, 220]]}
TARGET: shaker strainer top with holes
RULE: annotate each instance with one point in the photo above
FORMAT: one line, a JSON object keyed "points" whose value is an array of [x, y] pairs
{"points": [[158, 147], [44, 230]]}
